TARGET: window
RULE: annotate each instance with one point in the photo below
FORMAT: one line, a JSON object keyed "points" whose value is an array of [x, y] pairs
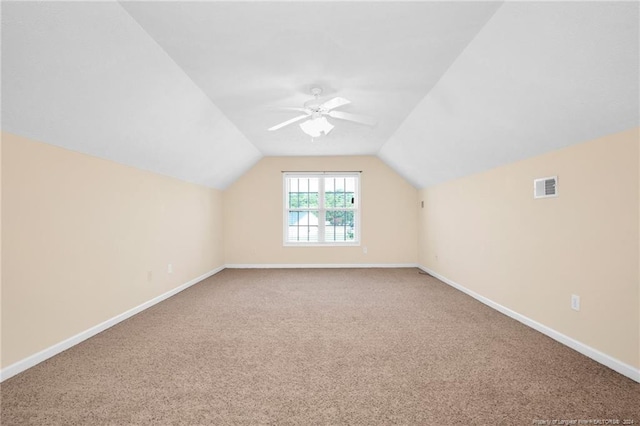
{"points": [[321, 208]]}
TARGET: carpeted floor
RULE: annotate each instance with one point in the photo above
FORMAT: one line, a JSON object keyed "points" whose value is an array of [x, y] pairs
{"points": [[319, 346]]}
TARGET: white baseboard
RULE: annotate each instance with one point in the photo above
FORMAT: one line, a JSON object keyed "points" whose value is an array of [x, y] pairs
{"points": [[47, 353], [318, 265], [607, 360]]}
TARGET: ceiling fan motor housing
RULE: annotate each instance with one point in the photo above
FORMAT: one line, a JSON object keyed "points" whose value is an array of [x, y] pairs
{"points": [[314, 104]]}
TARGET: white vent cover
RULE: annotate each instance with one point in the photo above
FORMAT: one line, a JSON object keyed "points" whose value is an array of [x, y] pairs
{"points": [[545, 187]]}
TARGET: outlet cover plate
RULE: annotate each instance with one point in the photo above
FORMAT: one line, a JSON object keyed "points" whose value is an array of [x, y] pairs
{"points": [[575, 302]]}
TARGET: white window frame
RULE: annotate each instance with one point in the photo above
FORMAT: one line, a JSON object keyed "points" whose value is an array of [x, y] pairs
{"points": [[321, 209]]}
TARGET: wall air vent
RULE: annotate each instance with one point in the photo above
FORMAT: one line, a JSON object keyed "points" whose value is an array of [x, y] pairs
{"points": [[545, 187]]}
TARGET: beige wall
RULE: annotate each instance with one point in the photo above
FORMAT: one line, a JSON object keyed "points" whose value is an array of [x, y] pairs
{"points": [[86, 239], [487, 233], [253, 215], [80, 236]]}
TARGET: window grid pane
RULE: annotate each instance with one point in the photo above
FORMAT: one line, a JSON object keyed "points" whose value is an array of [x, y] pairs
{"points": [[340, 225], [303, 226]]}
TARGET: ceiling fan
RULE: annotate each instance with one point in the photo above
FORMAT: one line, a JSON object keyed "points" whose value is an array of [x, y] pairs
{"points": [[316, 113]]}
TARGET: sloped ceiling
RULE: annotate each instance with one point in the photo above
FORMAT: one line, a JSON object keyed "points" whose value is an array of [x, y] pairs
{"points": [[538, 77], [188, 89]]}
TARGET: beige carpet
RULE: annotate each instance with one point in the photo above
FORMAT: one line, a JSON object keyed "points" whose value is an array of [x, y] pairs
{"points": [[336, 346]]}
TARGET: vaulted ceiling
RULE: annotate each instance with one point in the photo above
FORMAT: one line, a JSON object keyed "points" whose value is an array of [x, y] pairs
{"points": [[189, 89]]}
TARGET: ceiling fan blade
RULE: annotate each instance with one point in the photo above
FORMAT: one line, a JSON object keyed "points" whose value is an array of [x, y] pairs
{"points": [[305, 110], [335, 103], [278, 108], [286, 123], [362, 119]]}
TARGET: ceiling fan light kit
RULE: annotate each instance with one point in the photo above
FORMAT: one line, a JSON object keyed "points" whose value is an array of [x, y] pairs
{"points": [[316, 113], [316, 127]]}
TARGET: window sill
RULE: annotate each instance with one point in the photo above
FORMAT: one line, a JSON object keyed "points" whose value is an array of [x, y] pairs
{"points": [[330, 244]]}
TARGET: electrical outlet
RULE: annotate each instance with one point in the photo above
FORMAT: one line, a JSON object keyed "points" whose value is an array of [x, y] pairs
{"points": [[364, 249], [575, 302], [149, 275], [170, 268]]}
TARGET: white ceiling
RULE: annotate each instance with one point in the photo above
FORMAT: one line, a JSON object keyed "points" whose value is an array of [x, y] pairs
{"points": [[188, 89]]}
